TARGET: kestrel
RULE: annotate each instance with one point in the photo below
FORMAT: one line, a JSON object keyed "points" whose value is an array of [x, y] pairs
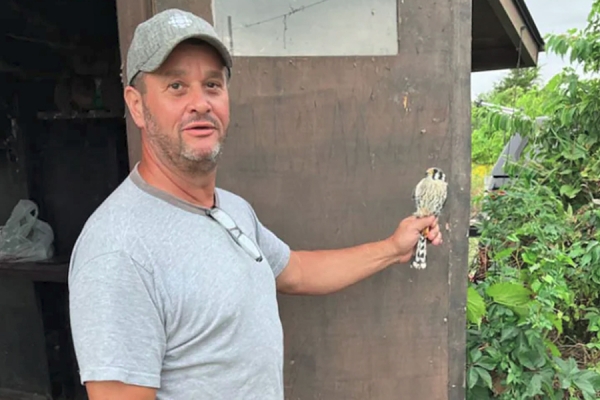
{"points": [[429, 196]]}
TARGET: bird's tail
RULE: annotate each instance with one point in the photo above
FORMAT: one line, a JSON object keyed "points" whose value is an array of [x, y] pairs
{"points": [[420, 261]]}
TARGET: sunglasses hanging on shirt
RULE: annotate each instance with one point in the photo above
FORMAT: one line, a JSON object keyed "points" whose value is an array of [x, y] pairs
{"points": [[223, 219]]}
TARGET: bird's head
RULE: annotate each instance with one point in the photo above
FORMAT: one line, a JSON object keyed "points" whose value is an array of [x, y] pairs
{"points": [[436, 174]]}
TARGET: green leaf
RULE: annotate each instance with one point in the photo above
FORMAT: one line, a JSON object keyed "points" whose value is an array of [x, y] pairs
{"points": [[548, 278], [485, 376], [475, 306], [475, 354], [575, 153], [556, 322], [569, 191], [512, 295], [479, 393], [472, 377], [553, 348], [494, 354], [567, 371], [531, 359], [535, 386], [503, 254], [508, 333], [576, 251], [486, 362], [529, 257], [583, 381]]}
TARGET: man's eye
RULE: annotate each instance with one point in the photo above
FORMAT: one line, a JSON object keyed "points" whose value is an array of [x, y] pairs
{"points": [[175, 85], [213, 85]]}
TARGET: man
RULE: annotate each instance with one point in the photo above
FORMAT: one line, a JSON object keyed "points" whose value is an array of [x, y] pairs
{"points": [[173, 281]]}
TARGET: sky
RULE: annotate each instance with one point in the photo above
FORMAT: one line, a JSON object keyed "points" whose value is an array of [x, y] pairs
{"points": [[550, 16]]}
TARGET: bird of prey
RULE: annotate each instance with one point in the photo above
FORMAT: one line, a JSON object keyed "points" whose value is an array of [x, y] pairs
{"points": [[429, 197]]}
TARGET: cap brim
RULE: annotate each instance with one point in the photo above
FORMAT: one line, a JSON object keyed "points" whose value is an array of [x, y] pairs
{"points": [[161, 55]]}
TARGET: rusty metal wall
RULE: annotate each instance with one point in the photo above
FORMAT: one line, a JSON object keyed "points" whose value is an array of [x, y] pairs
{"points": [[328, 150]]}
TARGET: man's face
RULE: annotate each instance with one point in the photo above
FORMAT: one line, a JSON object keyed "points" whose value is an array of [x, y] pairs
{"points": [[185, 108]]}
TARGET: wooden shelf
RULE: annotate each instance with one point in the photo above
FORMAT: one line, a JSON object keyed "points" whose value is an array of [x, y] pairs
{"points": [[7, 394], [46, 271], [93, 114]]}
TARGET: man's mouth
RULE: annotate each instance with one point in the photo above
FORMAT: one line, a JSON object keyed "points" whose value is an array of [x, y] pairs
{"points": [[200, 128]]}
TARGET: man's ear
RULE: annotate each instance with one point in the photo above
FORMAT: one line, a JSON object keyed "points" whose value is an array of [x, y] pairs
{"points": [[133, 98]]}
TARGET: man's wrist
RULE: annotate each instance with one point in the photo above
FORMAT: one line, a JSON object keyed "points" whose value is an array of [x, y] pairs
{"points": [[390, 251]]}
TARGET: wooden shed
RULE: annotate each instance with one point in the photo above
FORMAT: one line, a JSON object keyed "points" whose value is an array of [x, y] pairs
{"points": [[338, 107]]}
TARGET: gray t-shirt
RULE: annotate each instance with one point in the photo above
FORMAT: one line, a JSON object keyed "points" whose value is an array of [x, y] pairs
{"points": [[162, 296]]}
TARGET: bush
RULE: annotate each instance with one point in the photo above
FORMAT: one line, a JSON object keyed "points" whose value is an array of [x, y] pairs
{"points": [[534, 291]]}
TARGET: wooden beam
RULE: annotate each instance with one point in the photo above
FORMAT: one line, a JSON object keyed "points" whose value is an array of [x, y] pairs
{"points": [[129, 14], [459, 112], [495, 58], [516, 28]]}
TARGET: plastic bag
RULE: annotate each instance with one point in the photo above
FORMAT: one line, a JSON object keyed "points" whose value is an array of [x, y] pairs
{"points": [[24, 237]]}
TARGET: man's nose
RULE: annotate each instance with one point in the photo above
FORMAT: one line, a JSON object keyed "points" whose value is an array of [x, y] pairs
{"points": [[199, 101]]}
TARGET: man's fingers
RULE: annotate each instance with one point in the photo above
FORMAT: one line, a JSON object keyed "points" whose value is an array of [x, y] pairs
{"points": [[425, 222], [429, 227], [435, 235], [433, 232]]}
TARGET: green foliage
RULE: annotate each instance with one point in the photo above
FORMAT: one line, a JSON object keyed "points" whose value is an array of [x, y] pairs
{"points": [[486, 142], [519, 89], [582, 46], [524, 78], [475, 307], [533, 306]]}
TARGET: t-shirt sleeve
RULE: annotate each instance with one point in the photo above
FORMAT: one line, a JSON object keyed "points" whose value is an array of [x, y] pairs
{"points": [[117, 326], [276, 251]]}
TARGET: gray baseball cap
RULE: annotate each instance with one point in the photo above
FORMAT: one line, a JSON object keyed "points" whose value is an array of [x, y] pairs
{"points": [[155, 38]]}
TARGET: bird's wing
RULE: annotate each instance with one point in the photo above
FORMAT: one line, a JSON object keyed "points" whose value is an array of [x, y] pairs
{"points": [[445, 196], [418, 191]]}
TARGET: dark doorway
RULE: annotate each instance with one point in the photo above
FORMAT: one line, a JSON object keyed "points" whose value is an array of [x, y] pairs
{"points": [[63, 145]]}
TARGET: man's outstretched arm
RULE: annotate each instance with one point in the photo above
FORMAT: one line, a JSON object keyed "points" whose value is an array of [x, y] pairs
{"points": [[327, 271], [114, 390]]}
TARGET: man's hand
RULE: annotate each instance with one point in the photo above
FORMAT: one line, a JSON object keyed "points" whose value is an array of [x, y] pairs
{"points": [[407, 234]]}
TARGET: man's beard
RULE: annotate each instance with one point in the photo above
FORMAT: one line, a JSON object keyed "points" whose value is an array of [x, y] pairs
{"points": [[176, 152]]}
